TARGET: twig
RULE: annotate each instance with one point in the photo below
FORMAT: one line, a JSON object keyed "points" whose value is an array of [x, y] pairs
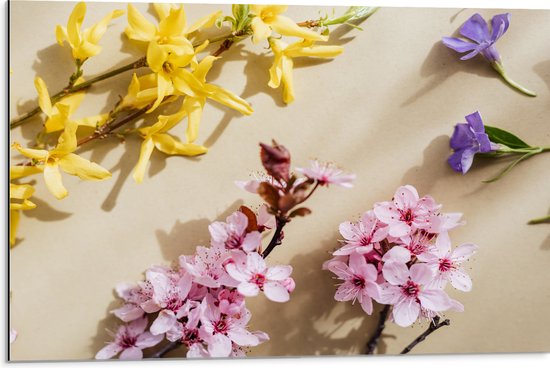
{"points": [[434, 326], [276, 240], [375, 339], [166, 349]]}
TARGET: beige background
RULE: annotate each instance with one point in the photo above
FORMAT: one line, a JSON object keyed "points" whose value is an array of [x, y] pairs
{"points": [[383, 109]]}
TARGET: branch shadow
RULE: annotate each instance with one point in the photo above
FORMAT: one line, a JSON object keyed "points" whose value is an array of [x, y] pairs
{"points": [[442, 63], [546, 243], [326, 330], [434, 165]]}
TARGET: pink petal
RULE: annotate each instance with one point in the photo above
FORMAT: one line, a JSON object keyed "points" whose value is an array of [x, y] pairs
{"points": [[238, 220], [386, 212], [357, 262], [421, 273], [443, 244], [347, 230], [346, 292], [128, 312], [242, 337], [255, 263], [405, 197], [248, 289], [406, 312], [463, 252], [348, 249], [250, 185], [372, 289], [369, 272], [395, 273], [218, 232], [389, 294], [184, 284], [252, 241], [219, 346], [161, 284], [366, 304], [236, 273], [380, 234], [397, 254], [434, 299], [124, 289], [197, 351], [131, 354], [165, 321], [138, 326], [108, 351], [399, 229], [278, 273], [147, 339], [460, 280], [456, 306], [276, 292]]}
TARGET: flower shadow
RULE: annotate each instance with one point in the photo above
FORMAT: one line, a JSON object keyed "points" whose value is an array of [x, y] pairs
{"points": [[434, 165], [330, 328], [546, 243], [441, 63], [543, 70]]}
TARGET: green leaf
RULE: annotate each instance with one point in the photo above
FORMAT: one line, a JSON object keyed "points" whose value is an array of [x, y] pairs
{"points": [[501, 136]]}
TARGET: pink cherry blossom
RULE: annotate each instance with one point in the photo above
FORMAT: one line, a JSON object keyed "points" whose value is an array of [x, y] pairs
{"points": [[406, 212], [443, 222], [13, 335], [266, 221], [220, 331], [409, 290], [232, 234], [256, 277], [360, 237], [129, 341], [134, 296], [207, 266], [170, 294], [231, 302], [359, 281], [327, 173], [446, 264]]}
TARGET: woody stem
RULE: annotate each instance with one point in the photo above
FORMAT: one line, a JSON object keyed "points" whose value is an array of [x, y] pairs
{"points": [[434, 326], [375, 339]]}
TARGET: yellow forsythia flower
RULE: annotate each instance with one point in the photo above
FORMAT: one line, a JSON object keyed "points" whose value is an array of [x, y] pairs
{"points": [[84, 44], [268, 18], [61, 111], [19, 200], [281, 70], [193, 105], [19, 196], [61, 157], [156, 136]]}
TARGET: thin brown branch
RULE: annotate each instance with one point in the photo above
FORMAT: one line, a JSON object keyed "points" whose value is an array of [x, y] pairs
{"points": [[434, 326]]}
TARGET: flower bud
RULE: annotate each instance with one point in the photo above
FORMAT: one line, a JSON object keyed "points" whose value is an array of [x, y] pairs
{"points": [[276, 160], [289, 284]]}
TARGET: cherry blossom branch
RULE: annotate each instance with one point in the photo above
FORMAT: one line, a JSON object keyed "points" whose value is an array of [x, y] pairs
{"points": [[434, 326], [375, 339], [166, 349], [277, 239]]}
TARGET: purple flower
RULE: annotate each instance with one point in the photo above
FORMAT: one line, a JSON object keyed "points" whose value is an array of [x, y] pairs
{"points": [[467, 140], [476, 29]]}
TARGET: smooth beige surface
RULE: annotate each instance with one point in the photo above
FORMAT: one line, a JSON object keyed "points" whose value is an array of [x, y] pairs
{"points": [[384, 109]]}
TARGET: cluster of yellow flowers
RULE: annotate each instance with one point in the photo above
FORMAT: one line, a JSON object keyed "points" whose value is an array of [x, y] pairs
{"points": [[177, 73]]}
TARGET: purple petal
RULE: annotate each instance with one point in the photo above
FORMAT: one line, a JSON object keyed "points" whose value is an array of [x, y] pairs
{"points": [[484, 142], [467, 159], [475, 29], [458, 45], [472, 54], [475, 122], [491, 54], [462, 137], [455, 160], [499, 24]]}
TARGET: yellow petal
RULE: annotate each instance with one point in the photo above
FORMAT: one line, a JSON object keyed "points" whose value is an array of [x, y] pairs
{"points": [[98, 30], [61, 34], [146, 149], [204, 67], [21, 171], [67, 140], [21, 191], [75, 165], [205, 22], [162, 10], [93, 121], [228, 99], [59, 119], [261, 30], [186, 83], [156, 56], [163, 85], [314, 51], [276, 70], [287, 27], [54, 183], [24, 205], [75, 23], [193, 108], [73, 100], [173, 146], [14, 223], [43, 96], [139, 28], [31, 153], [173, 24], [288, 83]]}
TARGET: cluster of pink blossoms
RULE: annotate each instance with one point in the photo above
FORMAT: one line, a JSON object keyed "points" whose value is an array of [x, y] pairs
{"points": [[201, 302], [399, 254]]}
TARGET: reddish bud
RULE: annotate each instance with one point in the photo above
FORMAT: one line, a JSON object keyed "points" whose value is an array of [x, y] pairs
{"points": [[276, 160]]}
